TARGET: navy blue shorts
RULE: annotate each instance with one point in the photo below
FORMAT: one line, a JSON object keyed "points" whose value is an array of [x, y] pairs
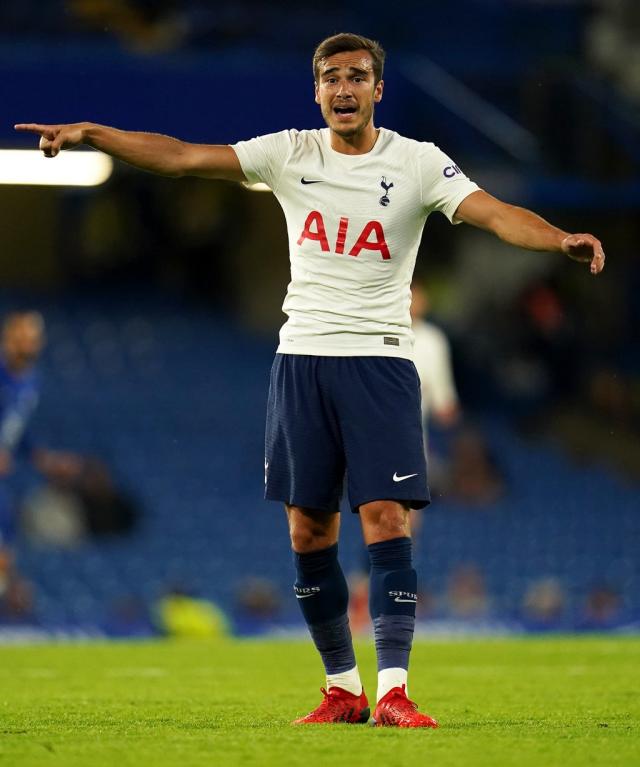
{"points": [[328, 416]]}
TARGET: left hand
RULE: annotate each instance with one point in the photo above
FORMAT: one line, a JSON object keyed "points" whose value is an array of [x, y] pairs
{"points": [[586, 249]]}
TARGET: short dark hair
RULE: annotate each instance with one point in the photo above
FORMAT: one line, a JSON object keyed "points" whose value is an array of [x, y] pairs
{"points": [[346, 41]]}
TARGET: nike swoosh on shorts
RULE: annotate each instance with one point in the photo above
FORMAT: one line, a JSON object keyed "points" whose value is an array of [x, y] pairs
{"points": [[396, 478]]}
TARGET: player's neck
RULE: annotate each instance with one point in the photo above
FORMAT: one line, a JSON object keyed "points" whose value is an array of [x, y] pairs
{"points": [[360, 143]]}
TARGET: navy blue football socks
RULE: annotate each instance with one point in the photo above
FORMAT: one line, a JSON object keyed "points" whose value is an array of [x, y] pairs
{"points": [[392, 601], [321, 590]]}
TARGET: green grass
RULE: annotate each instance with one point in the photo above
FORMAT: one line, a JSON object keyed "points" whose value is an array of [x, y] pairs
{"points": [[542, 702]]}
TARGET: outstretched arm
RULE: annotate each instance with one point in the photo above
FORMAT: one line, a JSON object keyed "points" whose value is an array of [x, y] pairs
{"points": [[525, 229], [147, 151]]}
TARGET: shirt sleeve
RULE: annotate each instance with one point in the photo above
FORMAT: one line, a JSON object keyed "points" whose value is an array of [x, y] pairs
{"points": [[444, 185], [264, 158]]}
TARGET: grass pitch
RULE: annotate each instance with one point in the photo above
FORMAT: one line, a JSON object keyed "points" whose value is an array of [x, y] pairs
{"points": [[541, 702]]}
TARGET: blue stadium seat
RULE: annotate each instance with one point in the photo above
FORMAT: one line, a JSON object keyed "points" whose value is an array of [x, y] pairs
{"points": [[182, 427]]}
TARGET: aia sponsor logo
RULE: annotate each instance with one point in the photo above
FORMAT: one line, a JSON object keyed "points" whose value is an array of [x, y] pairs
{"points": [[371, 237]]}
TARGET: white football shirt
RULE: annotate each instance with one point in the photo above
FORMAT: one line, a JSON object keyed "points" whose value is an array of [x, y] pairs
{"points": [[354, 224], [432, 358]]}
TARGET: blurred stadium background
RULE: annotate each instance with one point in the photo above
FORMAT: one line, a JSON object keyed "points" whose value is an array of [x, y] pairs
{"points": [[162, 303]]}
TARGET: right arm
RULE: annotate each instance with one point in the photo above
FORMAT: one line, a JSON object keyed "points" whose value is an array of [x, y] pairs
{"points": [[147, 151]]}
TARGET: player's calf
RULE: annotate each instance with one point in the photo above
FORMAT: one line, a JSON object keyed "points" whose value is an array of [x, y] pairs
{"points": [[322, 593], [392, 602]]}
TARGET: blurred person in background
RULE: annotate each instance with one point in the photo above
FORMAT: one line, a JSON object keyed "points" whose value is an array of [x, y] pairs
{"points": [[468, 471], [439, 397], [432, 358], [344, 391], [70, 508], [544, 604], [550, 338], [473, 476], [107, 509], [602, 609], [467, 593], [129, 616], [180, 614], [257, 606], [16, 593], [542, 363], [604, 422], [21, 345]]}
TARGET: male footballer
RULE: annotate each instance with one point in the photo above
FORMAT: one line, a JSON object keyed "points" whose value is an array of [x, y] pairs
{"points": [[344, 395]]}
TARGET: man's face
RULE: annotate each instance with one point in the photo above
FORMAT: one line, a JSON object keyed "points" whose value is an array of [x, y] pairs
{"points": [[22, 342], [346, 91]]}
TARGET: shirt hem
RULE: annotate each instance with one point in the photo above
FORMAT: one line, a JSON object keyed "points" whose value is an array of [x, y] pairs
{"points": [[333, 351]]}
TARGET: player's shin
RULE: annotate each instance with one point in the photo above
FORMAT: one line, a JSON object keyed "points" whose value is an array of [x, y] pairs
{"points": [[322, 592], [392, 601]]}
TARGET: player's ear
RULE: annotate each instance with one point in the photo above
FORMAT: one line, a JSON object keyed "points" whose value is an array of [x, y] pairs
{"points": [[316, 91], [377, 91]]}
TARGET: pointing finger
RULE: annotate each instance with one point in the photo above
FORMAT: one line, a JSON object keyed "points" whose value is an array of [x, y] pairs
{"points": [[32, 127], [44, 130]]}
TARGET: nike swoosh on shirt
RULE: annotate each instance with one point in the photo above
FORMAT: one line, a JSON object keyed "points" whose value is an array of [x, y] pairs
{"points": [[304, 596], [304, 180], [396, 478], [397, 599]]}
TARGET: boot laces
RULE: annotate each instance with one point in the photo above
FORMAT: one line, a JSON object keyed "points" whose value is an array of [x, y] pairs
{"points": [[403, 697], [331, 701]]}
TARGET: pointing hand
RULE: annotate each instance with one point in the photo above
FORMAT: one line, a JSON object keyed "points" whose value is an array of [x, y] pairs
{"points": [[586, 249], [53, 138]]}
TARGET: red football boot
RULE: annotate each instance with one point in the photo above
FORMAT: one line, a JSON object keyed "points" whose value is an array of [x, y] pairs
{"points": [[338, 706], [396, 710]]}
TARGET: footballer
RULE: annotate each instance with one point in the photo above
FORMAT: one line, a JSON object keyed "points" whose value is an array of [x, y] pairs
{"points": [[344, 397]]}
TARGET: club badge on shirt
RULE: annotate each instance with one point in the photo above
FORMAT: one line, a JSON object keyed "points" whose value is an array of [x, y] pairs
{"points": [[384, 200]]}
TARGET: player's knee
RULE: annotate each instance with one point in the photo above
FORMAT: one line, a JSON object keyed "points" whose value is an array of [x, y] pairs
{"points": [[305, 540], [384, 521], [310, 531]]}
